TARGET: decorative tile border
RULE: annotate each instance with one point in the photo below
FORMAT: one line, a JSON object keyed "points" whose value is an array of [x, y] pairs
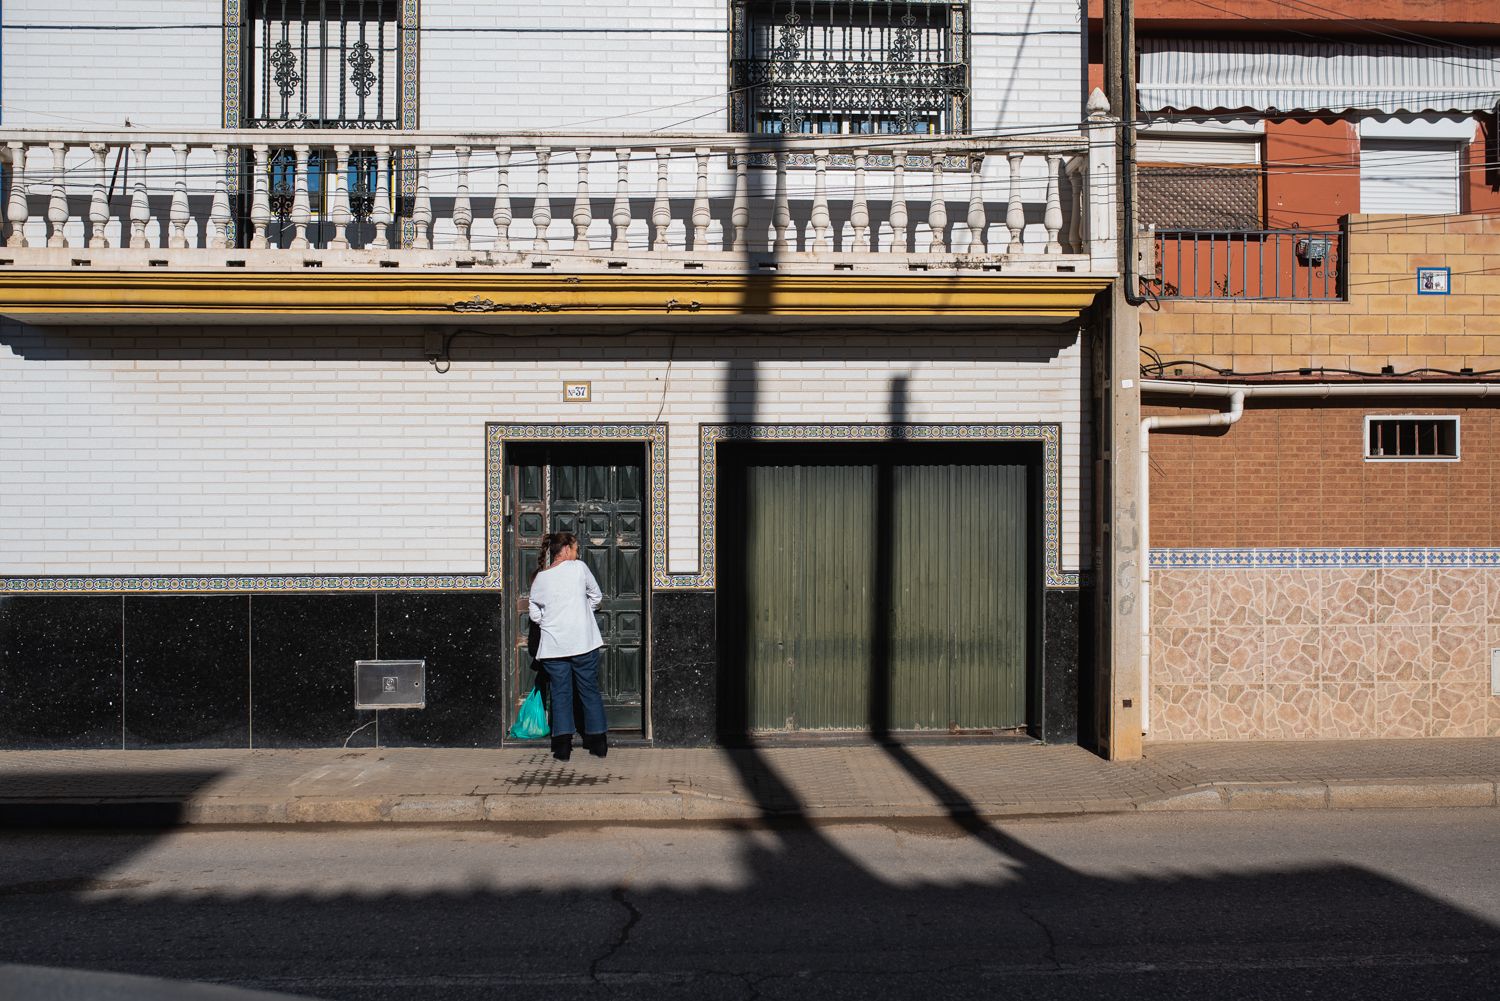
{"points": [[1049, 436], [234, 20], [1307, 558]]}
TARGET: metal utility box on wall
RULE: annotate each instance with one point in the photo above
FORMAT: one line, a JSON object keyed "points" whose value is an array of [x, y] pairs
{"points": [[390, 684]]}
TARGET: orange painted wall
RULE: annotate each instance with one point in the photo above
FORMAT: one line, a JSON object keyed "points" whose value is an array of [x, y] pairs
{"points": [[1312, 172], [1483, 186]]}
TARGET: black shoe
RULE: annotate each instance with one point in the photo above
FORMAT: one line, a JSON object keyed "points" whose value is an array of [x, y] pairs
{"points": [[562, 747], [597, 744]]}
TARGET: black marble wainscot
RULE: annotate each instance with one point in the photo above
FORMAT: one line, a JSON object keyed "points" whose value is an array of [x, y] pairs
{"points": [[683, 669], [460, 635], [60, 671], [187, 670], [1064, 642], [302, 653]]}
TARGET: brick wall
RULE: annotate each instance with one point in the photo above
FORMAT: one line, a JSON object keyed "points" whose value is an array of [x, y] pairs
{"points": [[1295, 475], [1384, 321], [255, 450]]}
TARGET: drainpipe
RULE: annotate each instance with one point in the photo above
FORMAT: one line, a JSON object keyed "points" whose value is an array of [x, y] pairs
{"points": [[1236, 395]]}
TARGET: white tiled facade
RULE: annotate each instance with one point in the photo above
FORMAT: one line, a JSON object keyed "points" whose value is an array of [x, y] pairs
{"points": [[168, 451], [155, 63], [578, 65], [318, 449]]}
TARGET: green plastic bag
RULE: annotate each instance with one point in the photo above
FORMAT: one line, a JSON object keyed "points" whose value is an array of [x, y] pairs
{"points": [[531, 721]]}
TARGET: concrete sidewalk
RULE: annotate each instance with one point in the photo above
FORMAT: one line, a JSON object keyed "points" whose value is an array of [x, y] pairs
{"points": [[636, 784]]}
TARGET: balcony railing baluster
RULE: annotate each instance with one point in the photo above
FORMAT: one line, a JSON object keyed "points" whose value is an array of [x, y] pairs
{"points": [[57, 205], [976, 219], [1015, 211], [619, 216], [937, 206], [1053, 219], [583, 212], [541, 209], [899, 220], [421, 213], [740, 216], [820, 218], [501, 213], [17, 211], [383, 215], [463, 212], [661, 210], [342, 217], [99, 203], [701, 216]]}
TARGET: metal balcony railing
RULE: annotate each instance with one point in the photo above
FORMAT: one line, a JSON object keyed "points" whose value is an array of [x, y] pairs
{"points": [[1268, 264]]}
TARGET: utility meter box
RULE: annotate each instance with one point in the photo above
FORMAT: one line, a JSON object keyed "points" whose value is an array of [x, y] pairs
{"points": [[390, 684]]}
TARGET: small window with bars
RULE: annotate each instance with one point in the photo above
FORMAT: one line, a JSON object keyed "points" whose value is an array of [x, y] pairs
{"points": [[1411, 439], [323, 64], [849, 67]]}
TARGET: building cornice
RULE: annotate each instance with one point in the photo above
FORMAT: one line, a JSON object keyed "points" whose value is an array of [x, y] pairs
{"points": [[124, 297]]}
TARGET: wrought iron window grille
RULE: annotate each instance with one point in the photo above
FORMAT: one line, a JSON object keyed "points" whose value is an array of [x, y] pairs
{"points": [[323, 64], [849, 67]]}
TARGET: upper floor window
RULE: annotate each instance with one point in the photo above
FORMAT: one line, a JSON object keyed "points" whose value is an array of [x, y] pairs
{"points": [[850, 67], [323, 64]]}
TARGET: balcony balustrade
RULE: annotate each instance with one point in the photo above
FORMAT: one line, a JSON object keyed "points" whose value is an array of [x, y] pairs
{"points": [[281, 201]]}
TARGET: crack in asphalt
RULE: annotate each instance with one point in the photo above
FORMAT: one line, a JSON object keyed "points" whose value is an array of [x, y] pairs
{"points": [[1050, 953], [633, 917]]}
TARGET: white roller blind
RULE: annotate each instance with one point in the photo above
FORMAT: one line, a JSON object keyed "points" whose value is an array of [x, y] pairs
{"points": [[1160, 149], [1408, 176]]}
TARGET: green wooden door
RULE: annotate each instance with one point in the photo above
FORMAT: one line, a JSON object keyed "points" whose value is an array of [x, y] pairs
{"points": [[597, 493], [886, 593]]}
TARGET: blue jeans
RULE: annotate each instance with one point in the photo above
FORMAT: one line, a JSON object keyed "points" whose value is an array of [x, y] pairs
{"points": [[565, 673]]}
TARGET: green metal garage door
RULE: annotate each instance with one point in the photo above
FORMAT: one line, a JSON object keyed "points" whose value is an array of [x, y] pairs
{"points": [[876, 595]]}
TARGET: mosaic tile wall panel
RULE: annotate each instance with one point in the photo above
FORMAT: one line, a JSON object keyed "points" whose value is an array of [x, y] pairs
{"points": [[1323, 651]]}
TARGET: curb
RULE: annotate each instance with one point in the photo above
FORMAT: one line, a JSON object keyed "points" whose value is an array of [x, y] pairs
{"points": [[685, 805], [1388, 794]]}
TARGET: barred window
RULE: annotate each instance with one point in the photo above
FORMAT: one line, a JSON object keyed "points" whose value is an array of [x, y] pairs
{"points": [[323, 64], [850, 67]]}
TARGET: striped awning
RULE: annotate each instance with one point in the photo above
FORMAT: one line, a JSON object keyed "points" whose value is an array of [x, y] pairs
{"points": [[1214, 75]]}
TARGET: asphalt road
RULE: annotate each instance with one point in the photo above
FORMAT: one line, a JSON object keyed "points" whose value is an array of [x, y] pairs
{"points": [[1270, 905]]}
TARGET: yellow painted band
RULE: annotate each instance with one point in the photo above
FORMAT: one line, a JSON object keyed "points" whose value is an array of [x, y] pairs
{"points": [[499, 296]]}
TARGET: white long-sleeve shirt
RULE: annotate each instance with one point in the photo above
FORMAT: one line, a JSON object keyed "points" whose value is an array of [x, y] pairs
{"points": [[563, 599]]}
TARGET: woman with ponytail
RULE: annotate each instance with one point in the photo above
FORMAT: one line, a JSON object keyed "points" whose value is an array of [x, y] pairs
{"points": [[564, 595]]}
